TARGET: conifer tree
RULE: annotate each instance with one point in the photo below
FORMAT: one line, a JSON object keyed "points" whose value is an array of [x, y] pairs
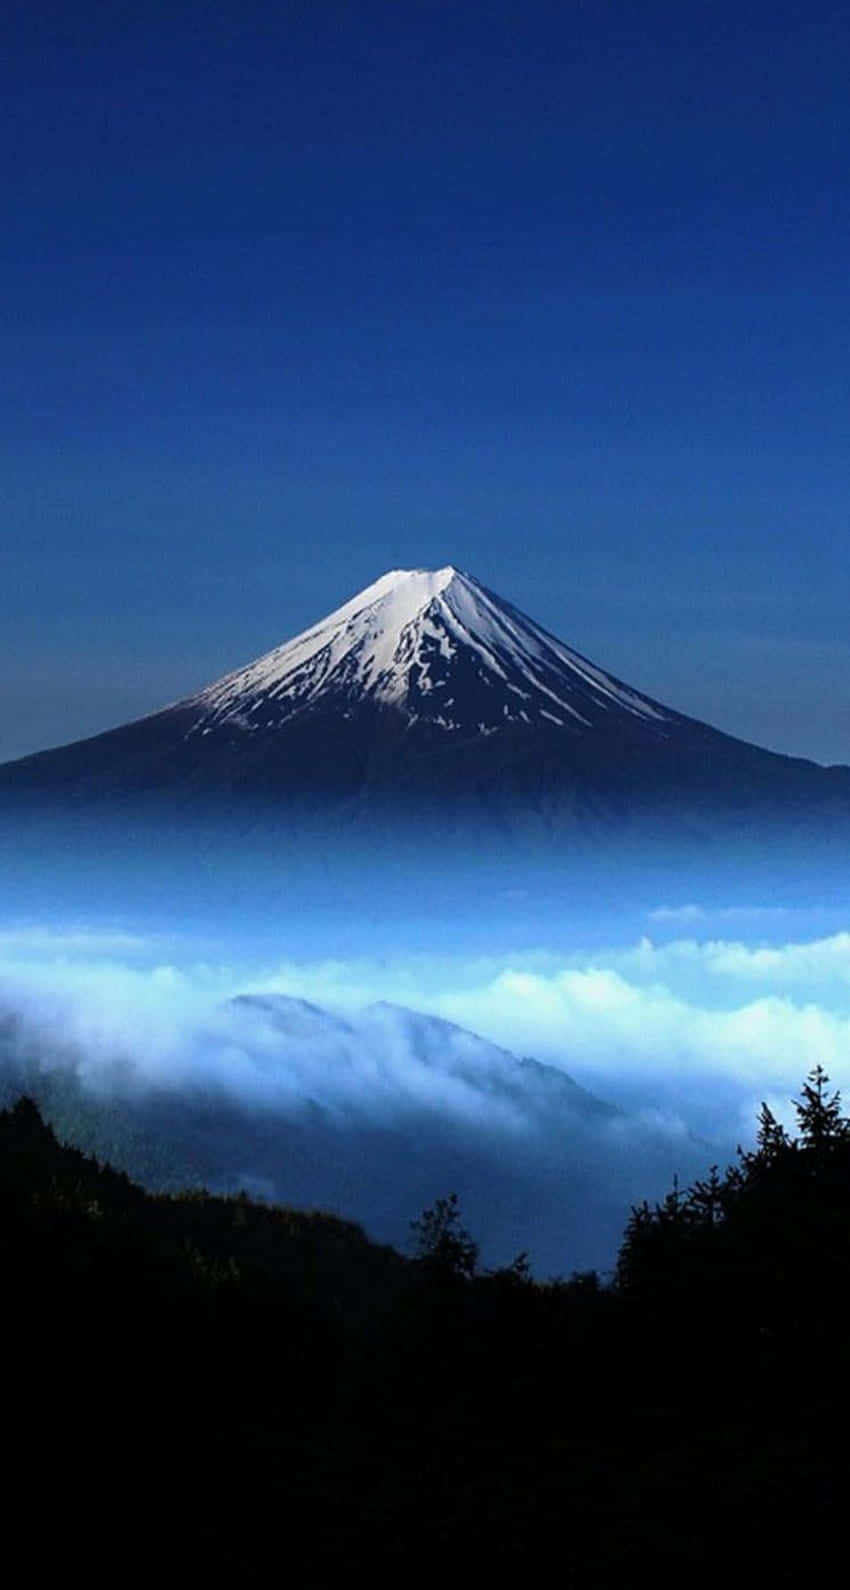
{"points": [[442, 1243], [819, 1113], [706, 1199]]}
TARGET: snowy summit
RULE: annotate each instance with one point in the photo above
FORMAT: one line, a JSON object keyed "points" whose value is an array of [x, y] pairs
{"points": [[435, 646]]}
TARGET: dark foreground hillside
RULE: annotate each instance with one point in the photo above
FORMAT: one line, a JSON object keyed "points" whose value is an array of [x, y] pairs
{"points": [[206, 1390]]}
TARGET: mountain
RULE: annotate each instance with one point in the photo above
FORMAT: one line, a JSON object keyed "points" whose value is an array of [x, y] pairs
{"points": [[429, 698], [417, 1061], [436, 648], [371, 1116]]}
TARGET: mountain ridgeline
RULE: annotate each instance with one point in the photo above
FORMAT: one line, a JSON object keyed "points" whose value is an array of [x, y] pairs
{"points": [[428, 698], [362, 1115], [214, 1382]]}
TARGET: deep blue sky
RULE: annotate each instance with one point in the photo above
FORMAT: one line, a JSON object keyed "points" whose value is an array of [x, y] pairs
{"points": [[293, 294]]}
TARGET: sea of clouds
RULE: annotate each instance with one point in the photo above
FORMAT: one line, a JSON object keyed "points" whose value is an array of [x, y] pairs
{"points": [[696, 1024]]}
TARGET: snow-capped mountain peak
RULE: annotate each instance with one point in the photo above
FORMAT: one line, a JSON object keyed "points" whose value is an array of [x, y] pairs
{"points": [[435, 646], [427, 707]]}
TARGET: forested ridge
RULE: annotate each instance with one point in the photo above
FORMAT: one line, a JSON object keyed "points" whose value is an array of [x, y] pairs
{"points": [[199, 1385]]}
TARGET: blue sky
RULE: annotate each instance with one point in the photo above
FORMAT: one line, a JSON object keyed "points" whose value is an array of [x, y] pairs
{"points": [[292, 294]]}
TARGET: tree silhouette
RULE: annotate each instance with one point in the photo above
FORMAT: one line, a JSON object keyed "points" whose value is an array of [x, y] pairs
{"points": [[665, 1416], [706, 1200], [442, 1244], [819, 1114]]}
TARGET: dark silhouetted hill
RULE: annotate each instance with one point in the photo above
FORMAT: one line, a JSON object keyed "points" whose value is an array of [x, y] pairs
{"points": [[198, 1386]]}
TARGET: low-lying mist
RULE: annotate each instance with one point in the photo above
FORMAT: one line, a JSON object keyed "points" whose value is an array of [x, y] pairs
{"points": [[551, 1083]]}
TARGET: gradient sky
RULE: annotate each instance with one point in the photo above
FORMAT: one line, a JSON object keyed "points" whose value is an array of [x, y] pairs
{"points": [[296, 293]]}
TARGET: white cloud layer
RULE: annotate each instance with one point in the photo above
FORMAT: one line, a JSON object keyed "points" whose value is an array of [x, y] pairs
{"points": [[676, 1025]]}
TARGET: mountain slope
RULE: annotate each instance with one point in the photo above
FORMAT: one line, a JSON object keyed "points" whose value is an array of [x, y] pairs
{"points": [[428, 698], [371, 1116], [437, 647]]}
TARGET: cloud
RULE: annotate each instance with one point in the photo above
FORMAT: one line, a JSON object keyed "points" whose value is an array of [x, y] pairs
{"points": [[44, 940], [682, 915], [676, 1018], [685, 1035], [693, 1029], [677, 913], [821, 965]]}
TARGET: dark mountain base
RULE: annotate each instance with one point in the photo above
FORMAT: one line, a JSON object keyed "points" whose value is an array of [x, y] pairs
{"points": [[371, 766], [427, 712]]}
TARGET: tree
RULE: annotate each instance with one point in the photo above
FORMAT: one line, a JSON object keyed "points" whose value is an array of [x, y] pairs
{"points": [[654, 1243], [706, 1200], [771, 1138], [442, 1244], [773, 1148], [517, 1273], [819, 1114]]}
